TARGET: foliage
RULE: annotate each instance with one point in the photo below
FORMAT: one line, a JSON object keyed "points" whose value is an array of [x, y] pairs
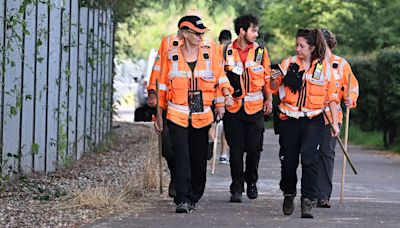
{"points": [[388, 67], [379, 94], [134, 38]]}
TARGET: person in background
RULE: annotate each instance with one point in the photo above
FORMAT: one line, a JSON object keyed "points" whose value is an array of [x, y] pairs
{"points": [[224, 39], [341, 74]]}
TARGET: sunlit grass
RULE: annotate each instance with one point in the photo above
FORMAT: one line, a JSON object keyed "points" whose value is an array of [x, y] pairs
{"points": [[372, 139]]}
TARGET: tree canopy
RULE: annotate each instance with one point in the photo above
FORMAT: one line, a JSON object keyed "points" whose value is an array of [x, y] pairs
{"points": [[361, 27]]}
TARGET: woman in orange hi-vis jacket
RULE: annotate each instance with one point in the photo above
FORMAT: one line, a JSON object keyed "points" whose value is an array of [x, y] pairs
{"points": [[341, 74], [304, 87], [193, 75]]}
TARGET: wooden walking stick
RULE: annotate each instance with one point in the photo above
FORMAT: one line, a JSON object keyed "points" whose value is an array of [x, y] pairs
{"points": [[346, 137], [215, 147], [159, 118], [341, 144]]}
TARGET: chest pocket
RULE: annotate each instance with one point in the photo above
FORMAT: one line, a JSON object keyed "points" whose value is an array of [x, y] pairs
{"points": [[178, 90], [317, 91], [256, 74]]}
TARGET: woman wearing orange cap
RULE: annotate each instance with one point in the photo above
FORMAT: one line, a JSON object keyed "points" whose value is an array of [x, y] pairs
{"points": [[193, 74]]}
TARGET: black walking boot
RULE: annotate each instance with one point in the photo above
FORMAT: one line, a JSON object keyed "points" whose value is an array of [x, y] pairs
{"points": [[182, 208], [306, 206], [252, 191], [324, 203], [288, 205], [236, 197]]}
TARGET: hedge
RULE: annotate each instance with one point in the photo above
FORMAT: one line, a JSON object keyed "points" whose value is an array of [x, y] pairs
{"points": [[379, 102]]}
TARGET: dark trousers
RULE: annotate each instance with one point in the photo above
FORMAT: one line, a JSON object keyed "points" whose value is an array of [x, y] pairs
{"points": [[326, 164], [244, 133], [167, 150], [190, 146], [300, 136]]}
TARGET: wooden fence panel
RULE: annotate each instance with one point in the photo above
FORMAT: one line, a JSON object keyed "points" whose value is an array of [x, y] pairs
{"points": [[65, 73], [12, 89], [89, 82], [101, 82], [56, 83], [40, 95], [73, 80], [29, 71], [2, 73], [94, 85], [55, 50], [82, 76]]}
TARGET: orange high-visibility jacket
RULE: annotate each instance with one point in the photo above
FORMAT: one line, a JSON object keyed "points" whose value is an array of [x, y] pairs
{"points": [[208, 76], [254, 79], [314, 95], [166, 44], [341, 73]]}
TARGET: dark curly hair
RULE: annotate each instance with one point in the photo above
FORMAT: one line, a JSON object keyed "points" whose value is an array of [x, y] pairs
{"points": [[244, 22]]}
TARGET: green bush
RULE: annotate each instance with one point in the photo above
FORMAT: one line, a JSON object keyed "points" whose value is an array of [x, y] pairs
{"points": [[367, 112], [388, 68], [379, 102]]}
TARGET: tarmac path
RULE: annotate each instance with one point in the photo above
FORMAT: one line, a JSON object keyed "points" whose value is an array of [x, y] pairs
{"points": [[372, 198]]}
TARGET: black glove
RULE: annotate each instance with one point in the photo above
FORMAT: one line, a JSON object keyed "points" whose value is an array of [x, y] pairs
{"points": [[293, 78], [234, 80], [144, 113]]}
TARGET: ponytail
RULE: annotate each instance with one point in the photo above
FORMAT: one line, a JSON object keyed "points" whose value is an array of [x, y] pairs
{"points": [[320, 45]]}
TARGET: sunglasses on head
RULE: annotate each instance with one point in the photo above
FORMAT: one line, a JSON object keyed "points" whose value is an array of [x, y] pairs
{"points": [[195, 33]]}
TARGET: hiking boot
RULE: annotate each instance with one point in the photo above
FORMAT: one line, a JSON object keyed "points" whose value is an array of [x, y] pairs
{"points": [[236, 197], [288, 205], [183, 207], [324, 203], [194, 207], [171, 190], [252, 191], [306, 206]]}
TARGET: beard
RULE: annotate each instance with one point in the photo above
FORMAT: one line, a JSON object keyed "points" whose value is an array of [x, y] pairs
{"points": [[247, 39]]}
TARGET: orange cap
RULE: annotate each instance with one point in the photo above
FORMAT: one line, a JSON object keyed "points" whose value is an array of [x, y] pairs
{"points": [[192, 22]]}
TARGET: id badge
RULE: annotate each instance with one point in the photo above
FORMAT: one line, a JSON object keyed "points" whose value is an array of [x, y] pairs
{"points": [[195, 98], [317, 72], [237, 70]]}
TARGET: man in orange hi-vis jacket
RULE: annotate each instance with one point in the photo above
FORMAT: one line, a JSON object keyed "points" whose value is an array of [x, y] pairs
{"points": [[193, 77], [247, 67], [341, 74]]}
